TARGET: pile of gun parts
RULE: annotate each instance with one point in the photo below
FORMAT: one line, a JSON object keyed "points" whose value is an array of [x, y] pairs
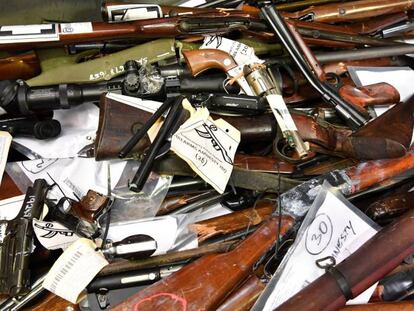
{"points": [[274, 80]]}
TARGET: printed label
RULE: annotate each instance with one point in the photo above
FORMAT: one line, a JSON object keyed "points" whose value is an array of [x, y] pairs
{"points": [[74, 270], [132, 12], [208, 147], [29, 33], [71, 28], [242, 53], [53, 235], [5, 142]]}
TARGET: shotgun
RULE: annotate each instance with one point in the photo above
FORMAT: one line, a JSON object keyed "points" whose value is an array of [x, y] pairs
{"points": [[218, 274], [311, 69], [389, 247]]}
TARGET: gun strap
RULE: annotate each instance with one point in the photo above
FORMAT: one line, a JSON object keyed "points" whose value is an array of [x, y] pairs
{"points": [[340, 279]]}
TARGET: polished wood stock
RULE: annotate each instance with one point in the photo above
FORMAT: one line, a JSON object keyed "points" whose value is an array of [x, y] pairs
{"points": [[205, 283], [243, 298], [23, 66], [372, 261], [350, 11], [370, 95], [233, 222]]}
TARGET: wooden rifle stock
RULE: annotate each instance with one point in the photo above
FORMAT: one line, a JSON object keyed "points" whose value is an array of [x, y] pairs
{"points": [[351, 11], [232, 222], [372, 261], [243, 298], [205, 283], [23, 66], [370, 95]]}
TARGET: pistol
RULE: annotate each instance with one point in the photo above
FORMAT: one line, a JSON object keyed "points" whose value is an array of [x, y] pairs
{"points": [[17, 242]]}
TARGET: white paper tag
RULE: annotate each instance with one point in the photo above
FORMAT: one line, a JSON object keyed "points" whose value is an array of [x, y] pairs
{"points": [[150, 227], [5, 142], [335, 230], [132, 12], [72, 28], [207, 146], [53, 235], [146, 105], [75, 176], [29, 33], [10, 208], [74, 270], [281, 112], [242, 53], [192, 3]]}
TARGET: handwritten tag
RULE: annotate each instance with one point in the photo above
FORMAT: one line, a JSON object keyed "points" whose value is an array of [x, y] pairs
{"points": [[332, 227], [208, 146], [5, 142], [53, 235], [74, 270], [242, 53]]}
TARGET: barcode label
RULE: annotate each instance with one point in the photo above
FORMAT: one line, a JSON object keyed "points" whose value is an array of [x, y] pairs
{"points": [[74, 270]]}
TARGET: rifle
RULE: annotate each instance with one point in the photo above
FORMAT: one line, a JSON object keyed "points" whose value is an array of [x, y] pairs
{"points": [[180, 26], [219, 274], [351, 11], [107, 67], [357, 270], [243, 298], [24, 66], [311, 69]]}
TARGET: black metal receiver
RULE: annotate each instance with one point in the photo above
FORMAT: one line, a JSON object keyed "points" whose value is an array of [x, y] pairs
{"points": [[17, 242], [352, 117]]}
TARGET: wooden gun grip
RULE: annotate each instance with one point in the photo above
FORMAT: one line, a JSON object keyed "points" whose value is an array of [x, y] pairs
{"points": [[370, 95], [203, 59]]}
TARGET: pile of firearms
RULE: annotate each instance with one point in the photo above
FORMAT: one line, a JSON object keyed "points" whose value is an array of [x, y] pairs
{"points": [[207, 155]]}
